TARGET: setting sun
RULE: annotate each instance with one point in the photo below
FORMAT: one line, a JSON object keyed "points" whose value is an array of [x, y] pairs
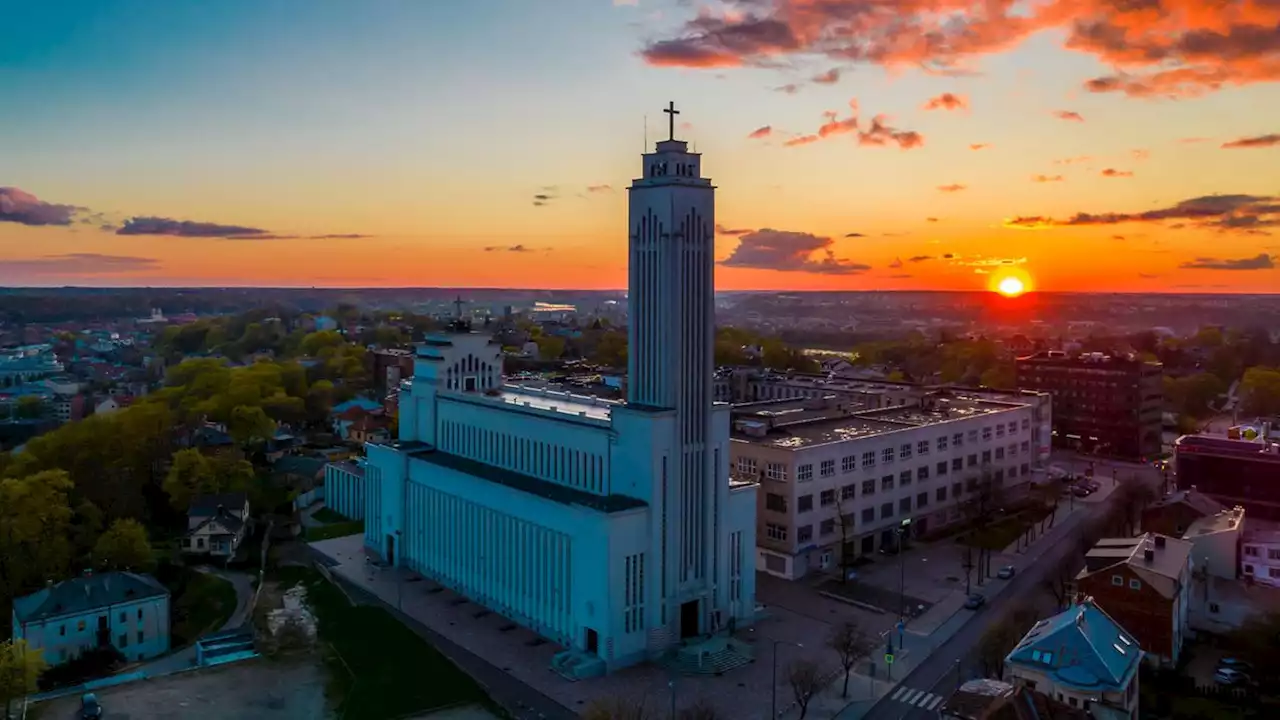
{"points": [[1011, 287]]}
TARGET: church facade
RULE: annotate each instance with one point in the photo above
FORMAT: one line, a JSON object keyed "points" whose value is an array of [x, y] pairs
{"points": [[610, 528]]}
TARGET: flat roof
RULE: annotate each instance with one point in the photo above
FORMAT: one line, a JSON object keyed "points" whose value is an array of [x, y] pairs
{"points": [[559, 401], [793, 424], [546, 489]]}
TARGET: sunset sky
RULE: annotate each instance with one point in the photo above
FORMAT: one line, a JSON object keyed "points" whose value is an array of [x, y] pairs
{"points": [[856, 144]]}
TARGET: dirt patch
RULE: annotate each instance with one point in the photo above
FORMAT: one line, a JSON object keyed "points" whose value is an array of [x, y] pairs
{"points": [[252, 689]]}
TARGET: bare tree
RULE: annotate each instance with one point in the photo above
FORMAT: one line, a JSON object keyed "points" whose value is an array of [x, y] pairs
{"points": [[851, 644], [846, 535], [617, 708], [1060, 581], [805, 680], [700, 710], [996, 643]]}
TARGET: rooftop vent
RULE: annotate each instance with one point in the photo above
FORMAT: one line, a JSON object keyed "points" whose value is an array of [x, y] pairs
{"points": [[1149, 555], [1160, 542]]}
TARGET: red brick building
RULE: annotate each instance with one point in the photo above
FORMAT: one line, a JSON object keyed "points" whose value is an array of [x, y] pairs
{"points": [[1144, 584], [1174, 513]]}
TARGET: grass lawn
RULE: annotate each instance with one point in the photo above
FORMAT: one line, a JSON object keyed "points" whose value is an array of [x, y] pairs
{"points": [[333, 530], [998, 535], [379, 669], [327, 516], [199, 603]]}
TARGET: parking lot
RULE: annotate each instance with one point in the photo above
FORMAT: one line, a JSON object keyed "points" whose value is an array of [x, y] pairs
{"points": [[257, 688]]}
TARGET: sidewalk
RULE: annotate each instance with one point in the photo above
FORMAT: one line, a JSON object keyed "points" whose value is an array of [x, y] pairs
{"points": [[917, 646]]}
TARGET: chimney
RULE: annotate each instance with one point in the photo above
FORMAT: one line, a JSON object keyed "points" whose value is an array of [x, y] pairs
{"points": [[1149, 555], [1159, 542]]}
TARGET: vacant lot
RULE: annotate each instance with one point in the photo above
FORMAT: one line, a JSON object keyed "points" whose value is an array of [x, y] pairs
{"points": [[251, 689]]}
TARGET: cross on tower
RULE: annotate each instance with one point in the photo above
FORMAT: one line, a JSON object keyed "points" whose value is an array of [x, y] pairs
{"points": [[457, 304], [671, 112]]}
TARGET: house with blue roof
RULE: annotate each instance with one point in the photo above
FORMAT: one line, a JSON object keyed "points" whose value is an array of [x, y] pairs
{"points": [[1083, 658], [127, 611]]}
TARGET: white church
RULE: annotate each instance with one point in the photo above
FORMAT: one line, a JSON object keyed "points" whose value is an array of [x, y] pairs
{"points": [[610, 528]]}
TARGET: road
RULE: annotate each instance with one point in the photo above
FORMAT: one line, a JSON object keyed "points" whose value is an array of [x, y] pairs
{"points": [[921, 694]]}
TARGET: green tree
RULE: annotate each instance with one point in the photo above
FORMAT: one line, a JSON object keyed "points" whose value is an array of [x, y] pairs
{"points": [[550, 347], [35, 530], [30, 407], [1193, 394], [124, 546], [611, 350], [190, 474], [1260, 391], [316, 342], [20, 668], [250, 424]]}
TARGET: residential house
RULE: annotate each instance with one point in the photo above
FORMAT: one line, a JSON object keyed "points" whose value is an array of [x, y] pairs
{"points": [[1174, 513], [216, 524], [1145, 584], [299, 472], [123, 610], [347, 413], [369, 428], [1083, 658], [1260, 557], [1215, 542], [986, 699]]}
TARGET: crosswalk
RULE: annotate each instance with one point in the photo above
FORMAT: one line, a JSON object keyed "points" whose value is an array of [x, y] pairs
{"points": [[916, 698]]}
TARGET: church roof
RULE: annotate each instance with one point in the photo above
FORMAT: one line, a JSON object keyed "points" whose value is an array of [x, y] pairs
{"points": [[527, 483]]}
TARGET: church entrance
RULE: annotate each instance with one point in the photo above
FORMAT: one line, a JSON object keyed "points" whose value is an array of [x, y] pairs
{"points": [[593, 642], [391, 550], [690, 619]]}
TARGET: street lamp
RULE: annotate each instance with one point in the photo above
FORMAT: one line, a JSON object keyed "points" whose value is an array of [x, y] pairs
{"points": [[902, 530], [773, 675]]}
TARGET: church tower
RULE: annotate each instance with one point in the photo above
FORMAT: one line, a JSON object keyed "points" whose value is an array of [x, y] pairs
{"points": [[670, 362]]}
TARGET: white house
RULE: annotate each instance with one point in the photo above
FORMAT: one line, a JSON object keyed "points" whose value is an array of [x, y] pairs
{"points": [[216, 524]]}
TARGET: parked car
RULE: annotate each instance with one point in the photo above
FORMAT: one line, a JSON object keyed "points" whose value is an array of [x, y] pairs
{"points": [[975, 601], [1081, 491], [1227, 676], [1235, 664], [1007, 572], [90, 708]]}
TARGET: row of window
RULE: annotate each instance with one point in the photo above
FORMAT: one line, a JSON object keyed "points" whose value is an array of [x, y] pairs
{"points": [[778, 472], [828, 527], [777, 502], [80, 624], [1255, 551], [1271, 571]]}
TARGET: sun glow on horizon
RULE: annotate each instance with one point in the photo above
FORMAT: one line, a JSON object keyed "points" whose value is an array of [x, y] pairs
{"points": [[1011, 286]]}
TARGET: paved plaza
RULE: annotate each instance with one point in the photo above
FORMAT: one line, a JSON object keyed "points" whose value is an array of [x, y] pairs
{"points": [[511, 662], [801, 618]]}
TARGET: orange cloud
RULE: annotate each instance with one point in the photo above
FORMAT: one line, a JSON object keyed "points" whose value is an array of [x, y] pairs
{"points": [[1169, 48], [1068, 115], [1046, 178], [979, 146], [947, 101], [879, 134], [1259, 141], [599, 188], [763, 131], [1072, 160], [954, 187], [1242, 213], [829, 77], [1113, 173]]}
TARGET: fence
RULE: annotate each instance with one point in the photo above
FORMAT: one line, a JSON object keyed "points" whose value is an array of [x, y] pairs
{"points": [[309, 498]]}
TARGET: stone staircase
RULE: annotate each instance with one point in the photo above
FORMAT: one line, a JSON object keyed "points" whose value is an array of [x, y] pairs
{"points": [[713, 656], [574, 665]]}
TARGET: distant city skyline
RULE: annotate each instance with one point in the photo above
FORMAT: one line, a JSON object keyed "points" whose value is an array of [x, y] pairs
{"points": [[857, 145]]}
